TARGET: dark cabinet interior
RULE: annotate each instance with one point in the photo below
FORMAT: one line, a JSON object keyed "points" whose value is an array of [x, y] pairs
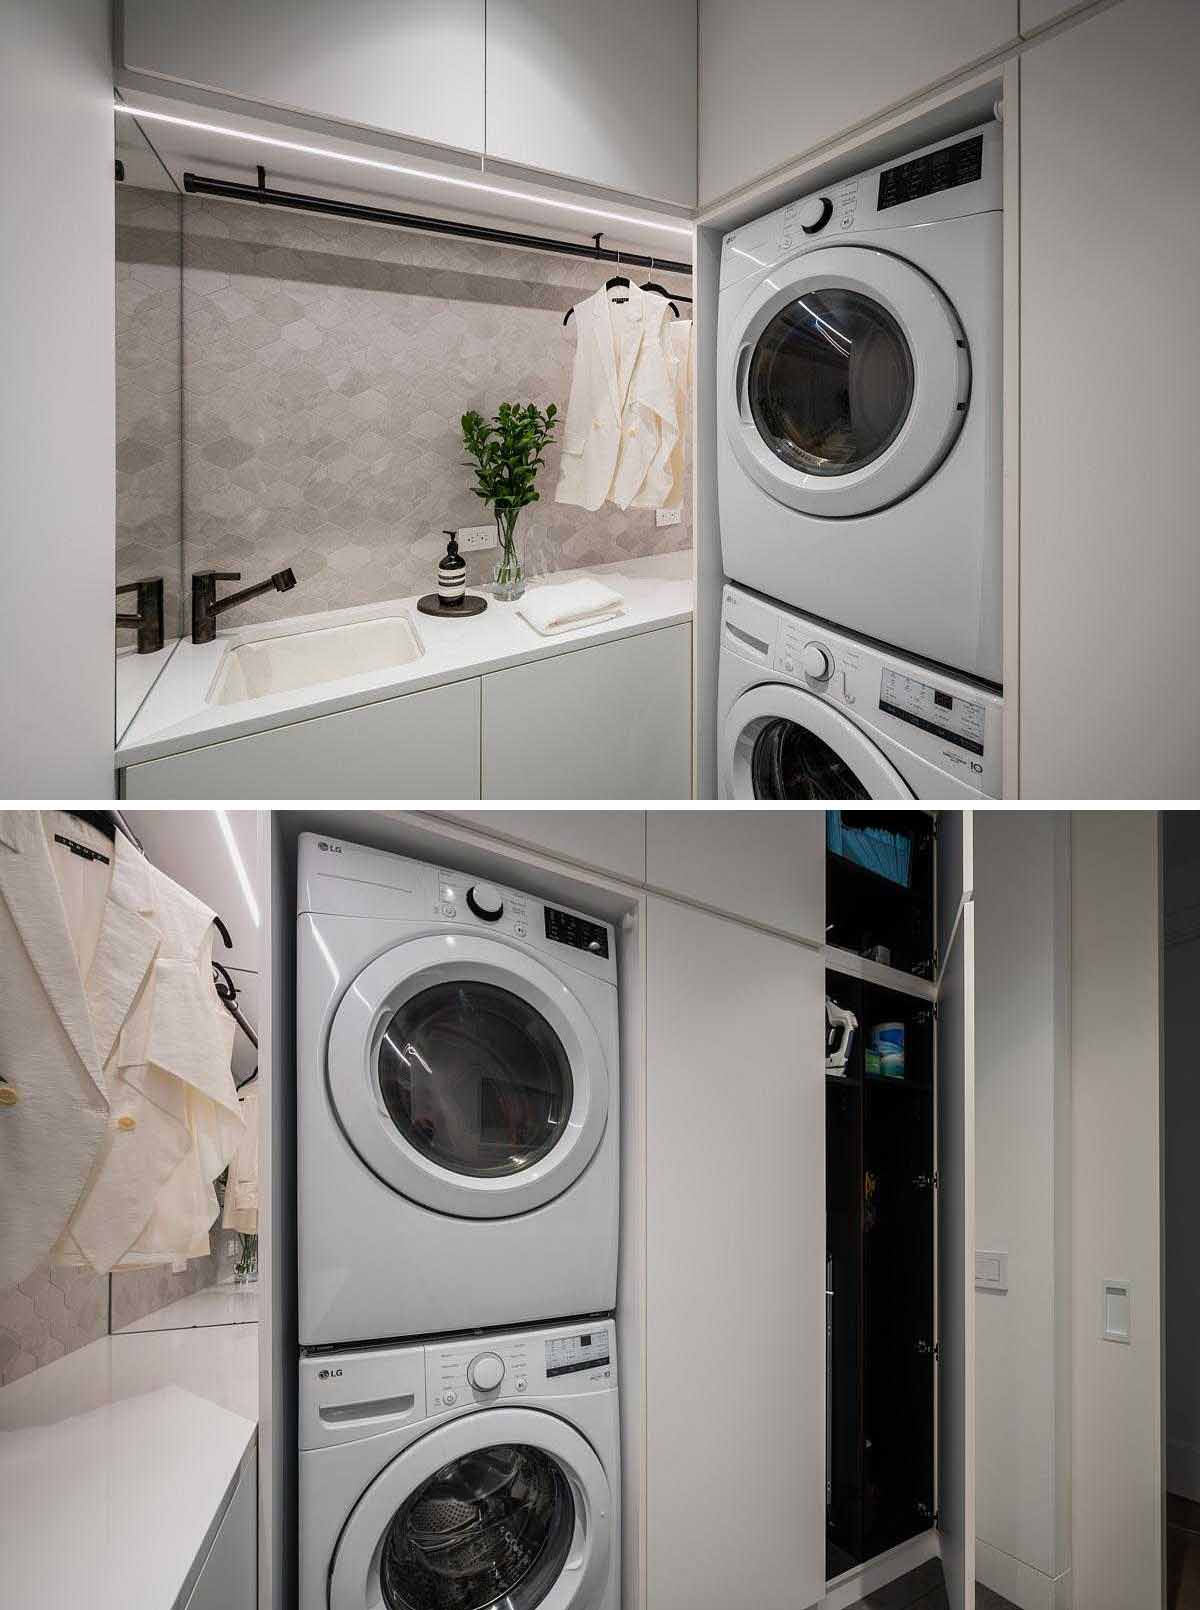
{"points": [[880, 1303], [879, 887]]}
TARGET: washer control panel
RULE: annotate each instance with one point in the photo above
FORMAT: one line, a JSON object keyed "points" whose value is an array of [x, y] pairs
{"points": [[476, 1371]]}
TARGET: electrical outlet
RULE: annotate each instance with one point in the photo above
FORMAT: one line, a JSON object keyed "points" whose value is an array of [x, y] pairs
{"points": [[668, 516], [471, 538]]}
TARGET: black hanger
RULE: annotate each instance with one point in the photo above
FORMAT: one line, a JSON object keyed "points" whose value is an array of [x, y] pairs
{"points": [[223, 931], [671, 296], [609, 285]]}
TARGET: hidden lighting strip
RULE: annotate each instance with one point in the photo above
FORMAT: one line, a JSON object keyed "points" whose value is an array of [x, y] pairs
{"points": [[395, 167]]}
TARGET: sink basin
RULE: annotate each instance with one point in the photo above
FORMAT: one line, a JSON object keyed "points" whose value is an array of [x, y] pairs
{"points": [[307, 659]]}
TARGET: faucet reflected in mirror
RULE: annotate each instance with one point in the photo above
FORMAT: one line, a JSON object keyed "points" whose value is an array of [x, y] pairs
{"points": [[206, 606], [148, 617]]}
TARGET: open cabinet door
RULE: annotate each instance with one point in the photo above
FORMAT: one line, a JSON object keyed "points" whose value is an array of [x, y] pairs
{"points": [[956, 1207]]}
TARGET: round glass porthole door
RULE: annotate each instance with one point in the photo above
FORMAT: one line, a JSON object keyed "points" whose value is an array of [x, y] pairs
{"points": [[789, 762], [778, 742], [830, 382], [493, 1527], [475, 1078], [468, 1076], [847, 381]]}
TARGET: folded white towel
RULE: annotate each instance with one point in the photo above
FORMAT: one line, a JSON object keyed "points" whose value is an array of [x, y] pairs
{"points": [[574, 603]]}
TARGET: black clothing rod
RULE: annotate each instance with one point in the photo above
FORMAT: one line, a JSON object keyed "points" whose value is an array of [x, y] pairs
{"points": [[230, 190]]}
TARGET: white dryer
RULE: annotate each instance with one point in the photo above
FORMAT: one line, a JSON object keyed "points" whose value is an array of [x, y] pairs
{"points": [[465, 1473], [804, 712], [859, 404], [457, 1101]]}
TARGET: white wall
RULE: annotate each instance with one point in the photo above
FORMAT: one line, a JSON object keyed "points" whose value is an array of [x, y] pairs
{"points": [[1022, 1203], [1116, 1462], [57, 399], [1181, 1035]]}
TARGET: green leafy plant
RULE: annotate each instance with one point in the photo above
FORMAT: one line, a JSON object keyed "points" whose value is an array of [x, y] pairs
{"points": [[506, 454]]}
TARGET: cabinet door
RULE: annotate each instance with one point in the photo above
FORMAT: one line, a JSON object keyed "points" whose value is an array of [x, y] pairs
{"points": [[422, 746], [777, 78], [735, 1328], [228, 1579], [612, 841], [411, 67], [612, 722], [1110, 392], [603, 93], [956, 1222], [767, 866]]}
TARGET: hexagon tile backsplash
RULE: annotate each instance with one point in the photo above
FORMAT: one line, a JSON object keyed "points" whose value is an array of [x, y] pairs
{"points": [[49, 1313], [326, 367]]}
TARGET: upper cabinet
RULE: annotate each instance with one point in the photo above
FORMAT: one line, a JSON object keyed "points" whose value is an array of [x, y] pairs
{"points": [[600, 93], [777, 78], [409, 67], [768, 870]]}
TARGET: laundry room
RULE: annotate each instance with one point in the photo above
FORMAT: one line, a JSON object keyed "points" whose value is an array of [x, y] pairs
{"points": [[426, 1263], [459, 404]]}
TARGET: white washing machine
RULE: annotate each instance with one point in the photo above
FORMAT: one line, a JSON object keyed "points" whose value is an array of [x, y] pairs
{"points": [[456, 1105], [804, 712], [859, 404], [462, 1474]]}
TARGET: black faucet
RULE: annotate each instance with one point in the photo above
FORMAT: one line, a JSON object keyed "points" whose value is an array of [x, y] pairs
{"points": [[206, 606], [149, 617]]}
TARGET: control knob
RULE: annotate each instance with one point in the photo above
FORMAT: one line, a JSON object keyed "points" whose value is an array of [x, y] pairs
{"points": [[486, 901], [816, 662], [814, 214], [485, 1372]]}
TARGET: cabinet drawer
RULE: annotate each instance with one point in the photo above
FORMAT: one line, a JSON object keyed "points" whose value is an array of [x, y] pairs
{"points": [[612, 722], [422, 746]]}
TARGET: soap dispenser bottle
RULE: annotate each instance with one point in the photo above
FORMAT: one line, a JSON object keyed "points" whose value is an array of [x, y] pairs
{"points": [[452, 575]]}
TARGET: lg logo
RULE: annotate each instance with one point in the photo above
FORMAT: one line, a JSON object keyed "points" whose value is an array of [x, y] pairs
{"points": [[334, 849], [328, 1375]]}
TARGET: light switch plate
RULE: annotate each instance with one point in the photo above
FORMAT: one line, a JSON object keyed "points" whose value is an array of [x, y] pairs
{"points": [[668, 516], [471, 538], [991, 1271], [1118, 1311]]}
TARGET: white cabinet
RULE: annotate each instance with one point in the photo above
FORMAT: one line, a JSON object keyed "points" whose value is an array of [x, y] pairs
{"points": [[610, 841], [1110, 392], [768, 867], [422, 746], [612, 722], [603, 93], [228, 1579], [412, 67], [735, 1265], [777, 78]]}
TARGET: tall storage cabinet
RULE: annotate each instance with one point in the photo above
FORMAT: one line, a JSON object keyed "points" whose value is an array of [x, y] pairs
{"points": [[735, 1349]]}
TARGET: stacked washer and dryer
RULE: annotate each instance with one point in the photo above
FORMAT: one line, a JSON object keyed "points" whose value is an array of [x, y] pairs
{"points": [[457, 1194], [859, 483]]}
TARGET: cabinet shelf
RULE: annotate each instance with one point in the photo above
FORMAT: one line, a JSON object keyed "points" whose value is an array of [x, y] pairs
{"points": [[853, 966]]}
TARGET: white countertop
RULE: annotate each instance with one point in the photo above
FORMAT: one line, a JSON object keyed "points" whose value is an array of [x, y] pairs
{"points": [[229, 1303], [116, 1460], [176, 717]]}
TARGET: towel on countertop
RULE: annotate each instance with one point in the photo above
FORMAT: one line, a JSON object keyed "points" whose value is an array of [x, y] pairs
{"points": [[574, 603]]}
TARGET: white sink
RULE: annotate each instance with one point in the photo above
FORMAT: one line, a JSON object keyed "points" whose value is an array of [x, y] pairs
{"points": [[306, 659]]}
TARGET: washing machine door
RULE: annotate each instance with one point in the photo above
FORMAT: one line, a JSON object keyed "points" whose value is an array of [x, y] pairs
{"points": [[507, 1508], [846, 380], [781, 743], [468, 1076]]}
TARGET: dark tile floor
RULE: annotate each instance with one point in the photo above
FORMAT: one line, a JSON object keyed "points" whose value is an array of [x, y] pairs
{"points": [[1183, 1553], [925, 1589]]}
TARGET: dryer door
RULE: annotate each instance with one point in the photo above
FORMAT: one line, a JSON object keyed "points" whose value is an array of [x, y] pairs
{"points": [[468, 1076], [507, 1508], [781, 743], [846, 380]]}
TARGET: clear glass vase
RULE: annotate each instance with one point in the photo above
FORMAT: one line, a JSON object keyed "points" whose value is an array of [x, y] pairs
{"points": [[508, 581]]}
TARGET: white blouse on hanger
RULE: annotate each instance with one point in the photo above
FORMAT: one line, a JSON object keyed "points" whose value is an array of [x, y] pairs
{"points": [[116, 1050]]}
